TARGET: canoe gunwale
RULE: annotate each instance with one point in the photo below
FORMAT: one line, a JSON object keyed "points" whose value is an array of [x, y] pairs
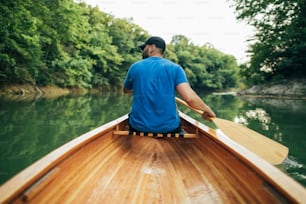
{"points": [[33, 173]]}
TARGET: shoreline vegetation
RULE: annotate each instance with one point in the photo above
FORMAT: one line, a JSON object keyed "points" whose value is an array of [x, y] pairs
{"points": [[29, 91], [294, 89]]}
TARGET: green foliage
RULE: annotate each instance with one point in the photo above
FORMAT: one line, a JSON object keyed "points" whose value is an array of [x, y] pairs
{"points": [[206, 67], [67, 44], [280, 41], [20, 49]]}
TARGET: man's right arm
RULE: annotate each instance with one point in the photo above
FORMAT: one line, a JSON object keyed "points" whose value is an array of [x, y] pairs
{"points": [[193, 100]]}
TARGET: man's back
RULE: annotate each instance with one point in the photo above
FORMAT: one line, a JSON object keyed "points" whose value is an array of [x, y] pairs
{"points": [[153, 81]]}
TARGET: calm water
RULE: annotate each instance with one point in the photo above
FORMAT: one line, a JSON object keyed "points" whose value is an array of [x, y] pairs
{"points": [[31, 128]]}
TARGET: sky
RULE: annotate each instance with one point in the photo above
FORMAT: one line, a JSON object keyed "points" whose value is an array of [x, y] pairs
{"points": [[201, 21]]}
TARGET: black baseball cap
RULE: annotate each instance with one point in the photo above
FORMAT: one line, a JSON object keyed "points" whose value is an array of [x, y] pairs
{"points": [[157, 41]]}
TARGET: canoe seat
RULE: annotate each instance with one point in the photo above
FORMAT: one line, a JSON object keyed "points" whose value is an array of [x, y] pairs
{"points": [[155, 135]]}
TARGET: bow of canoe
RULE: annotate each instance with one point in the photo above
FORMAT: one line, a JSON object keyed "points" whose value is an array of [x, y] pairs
{"points": [[100, 167]]}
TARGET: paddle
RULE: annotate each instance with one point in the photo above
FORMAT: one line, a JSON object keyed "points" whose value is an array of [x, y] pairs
{"points": [[268, 149]]}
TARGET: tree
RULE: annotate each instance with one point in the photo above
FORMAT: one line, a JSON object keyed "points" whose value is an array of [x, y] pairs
{"points": [[126, 36], [99, 50], [280, 41]]}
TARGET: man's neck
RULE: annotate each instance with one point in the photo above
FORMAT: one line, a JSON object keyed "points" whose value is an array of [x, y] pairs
{"points": [[157, 55]]}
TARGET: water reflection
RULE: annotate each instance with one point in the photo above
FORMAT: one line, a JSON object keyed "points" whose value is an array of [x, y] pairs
{"points": [[33, 127], [264, 121], [284, 121]]}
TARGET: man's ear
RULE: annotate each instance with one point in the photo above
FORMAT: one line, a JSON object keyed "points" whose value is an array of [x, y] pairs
{"points": [[152, 48]]}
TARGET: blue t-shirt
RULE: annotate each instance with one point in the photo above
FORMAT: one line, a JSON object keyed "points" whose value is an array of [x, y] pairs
{"points": [[153, 81]]}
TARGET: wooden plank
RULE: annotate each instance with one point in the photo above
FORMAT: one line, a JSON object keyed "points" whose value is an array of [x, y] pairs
{"points": [[168, 170], [242, 180]]}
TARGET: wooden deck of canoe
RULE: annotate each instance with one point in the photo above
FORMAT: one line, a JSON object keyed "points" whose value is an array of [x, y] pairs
{"points": [[100, 167]]}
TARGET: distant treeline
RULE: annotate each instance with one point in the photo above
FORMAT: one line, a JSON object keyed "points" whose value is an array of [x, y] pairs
{"points": [[70, 44]]}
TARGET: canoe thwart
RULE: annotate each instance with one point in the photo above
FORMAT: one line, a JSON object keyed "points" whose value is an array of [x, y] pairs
{"points": [[156, 135]]}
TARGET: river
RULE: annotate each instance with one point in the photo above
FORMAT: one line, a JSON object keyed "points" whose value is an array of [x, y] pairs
{"points": [[31, 128]]}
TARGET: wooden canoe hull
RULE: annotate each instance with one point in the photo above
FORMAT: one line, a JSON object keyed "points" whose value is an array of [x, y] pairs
{"points": [[99, 167]]}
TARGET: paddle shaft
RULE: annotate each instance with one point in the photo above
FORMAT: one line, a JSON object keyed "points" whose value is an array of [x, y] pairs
{"points": [[266, 148], [185, 104]]}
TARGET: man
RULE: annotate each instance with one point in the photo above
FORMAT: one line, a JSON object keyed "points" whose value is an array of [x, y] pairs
{"points": [[154, 81]]}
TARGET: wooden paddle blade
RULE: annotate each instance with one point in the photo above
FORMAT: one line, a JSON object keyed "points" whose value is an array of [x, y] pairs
{"points": [[268, 149]]}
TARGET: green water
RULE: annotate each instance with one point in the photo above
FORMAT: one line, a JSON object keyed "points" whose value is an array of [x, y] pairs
{"points": [[31, 128]]}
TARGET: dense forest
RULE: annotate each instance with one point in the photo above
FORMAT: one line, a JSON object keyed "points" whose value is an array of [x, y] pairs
{"points": [[70, 44], [277, 50]]}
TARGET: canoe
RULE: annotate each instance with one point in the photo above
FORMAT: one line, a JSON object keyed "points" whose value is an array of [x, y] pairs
{"points": [[107, 165]]}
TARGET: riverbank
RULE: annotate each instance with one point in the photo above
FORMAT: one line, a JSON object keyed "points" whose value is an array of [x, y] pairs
{"points": [[28, 91], [284, 89]]}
